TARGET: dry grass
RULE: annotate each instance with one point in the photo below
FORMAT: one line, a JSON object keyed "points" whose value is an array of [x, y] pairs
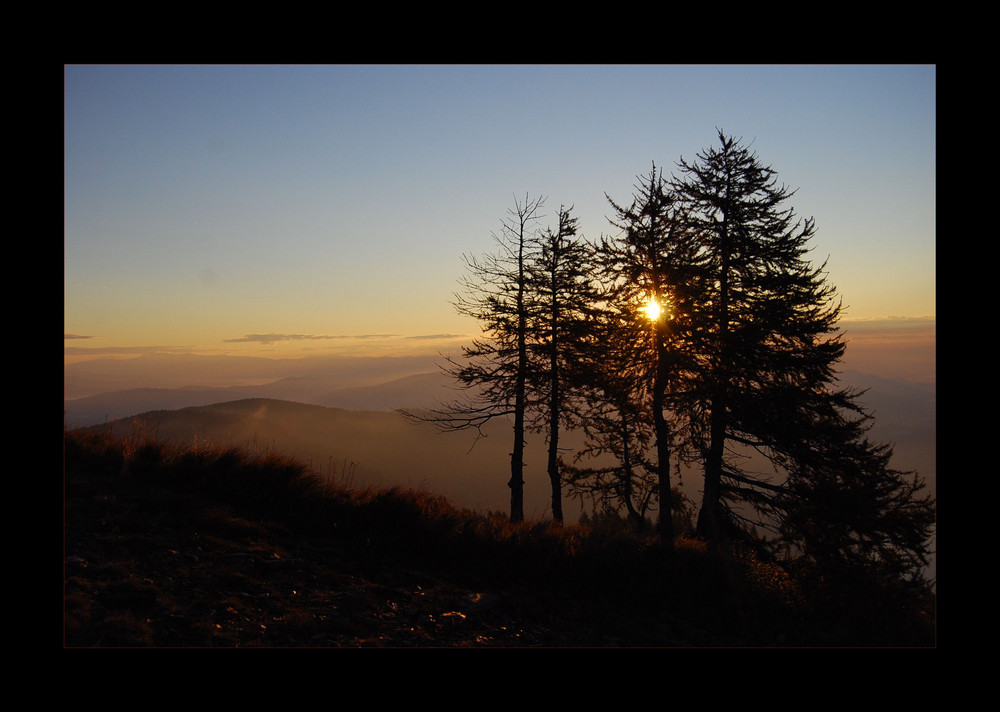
{"points": [[221, 547]]}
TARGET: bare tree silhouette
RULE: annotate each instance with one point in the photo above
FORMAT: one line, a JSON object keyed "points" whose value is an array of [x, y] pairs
{"points": [[494, 369]]}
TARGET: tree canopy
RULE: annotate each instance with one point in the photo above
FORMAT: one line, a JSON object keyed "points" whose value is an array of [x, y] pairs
{"points": [[734, 372]]}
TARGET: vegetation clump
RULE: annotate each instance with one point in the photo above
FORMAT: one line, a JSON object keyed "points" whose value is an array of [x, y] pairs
{"points": [[218, 547]]}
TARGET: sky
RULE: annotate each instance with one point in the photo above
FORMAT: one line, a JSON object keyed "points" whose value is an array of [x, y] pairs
{"points": [[284, 210]]}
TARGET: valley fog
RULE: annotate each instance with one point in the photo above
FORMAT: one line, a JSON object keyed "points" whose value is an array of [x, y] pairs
{"points": [[337, 414]]}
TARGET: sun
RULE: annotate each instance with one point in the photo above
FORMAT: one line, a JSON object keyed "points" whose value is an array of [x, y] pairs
{"points": [[652, 309]]}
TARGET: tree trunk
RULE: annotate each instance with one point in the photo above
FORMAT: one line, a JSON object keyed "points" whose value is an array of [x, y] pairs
{"points": [[554, 404], [517, 456], [710, 517], [633, 514], [554, 477], [516, 483], [665, 521]]}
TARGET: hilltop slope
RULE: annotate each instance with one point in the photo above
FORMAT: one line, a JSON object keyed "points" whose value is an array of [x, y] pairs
{"points": [[213, 548], [367, 448]]}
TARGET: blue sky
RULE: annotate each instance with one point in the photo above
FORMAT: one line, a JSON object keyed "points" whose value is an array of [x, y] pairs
{"points": [[204, 204]]}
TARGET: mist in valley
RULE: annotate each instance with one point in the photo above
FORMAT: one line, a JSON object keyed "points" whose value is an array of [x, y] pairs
{"points": [[339, 415], [360, 448]]}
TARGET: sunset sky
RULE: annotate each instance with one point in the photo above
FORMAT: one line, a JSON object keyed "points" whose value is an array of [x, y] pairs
{"points": [[277, 210]]}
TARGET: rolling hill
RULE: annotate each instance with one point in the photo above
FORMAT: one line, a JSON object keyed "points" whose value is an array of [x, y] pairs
{"points": [[371, 448], [412, 391], [356, 433]]}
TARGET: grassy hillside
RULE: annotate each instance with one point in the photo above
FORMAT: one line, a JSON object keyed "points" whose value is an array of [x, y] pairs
{"points": [[216, 547], [381, 449]]}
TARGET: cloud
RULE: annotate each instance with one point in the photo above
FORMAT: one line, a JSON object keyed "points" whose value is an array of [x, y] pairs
{"points": [[275, 338], [122, 350], [77, 336], [887, 323], [893, 347], [438, 336]]}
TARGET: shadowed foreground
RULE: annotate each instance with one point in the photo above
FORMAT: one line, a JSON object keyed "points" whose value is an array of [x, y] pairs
{"points": [[216, 548]]}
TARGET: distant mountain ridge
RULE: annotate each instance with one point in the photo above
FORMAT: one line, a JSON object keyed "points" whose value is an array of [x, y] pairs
{"points": [[423, 390], [375, 448], [188, 371], [358, 427], [369, 389], [893, 400]]}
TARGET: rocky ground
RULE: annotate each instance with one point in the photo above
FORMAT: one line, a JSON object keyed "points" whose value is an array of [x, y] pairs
{"points": [[153, 568]]}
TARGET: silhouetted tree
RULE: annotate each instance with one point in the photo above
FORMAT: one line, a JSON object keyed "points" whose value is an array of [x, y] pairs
{"points": [[562, 298], [844, 506], [762, 311], [615, 417], [655, 259], [766, 326], [494, 369]]}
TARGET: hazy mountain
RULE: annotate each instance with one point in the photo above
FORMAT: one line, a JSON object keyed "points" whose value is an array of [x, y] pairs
{"points": [[390, 450], [424, 390], [373, 448], [906, 416], [387, 449], [184, 371], [108, 389], [104, 407]]}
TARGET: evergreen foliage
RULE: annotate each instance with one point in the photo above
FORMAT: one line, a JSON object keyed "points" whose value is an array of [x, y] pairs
{"points": [[734, 373]]}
